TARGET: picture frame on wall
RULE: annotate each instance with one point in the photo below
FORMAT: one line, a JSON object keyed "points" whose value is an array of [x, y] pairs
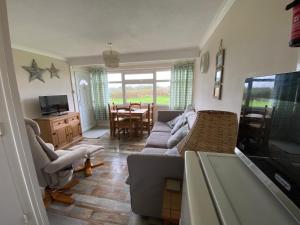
{"points": [[218, 85], [220, 58], [219, 76], [217, 91]]}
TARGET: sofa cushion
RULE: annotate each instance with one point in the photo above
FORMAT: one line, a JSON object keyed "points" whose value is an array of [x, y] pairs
{"points": [[161, 127], [150, 151], [178, 136], [158, 140], [172, 151], [191, 118], [172, 122], [178, 125], [189, 108]]}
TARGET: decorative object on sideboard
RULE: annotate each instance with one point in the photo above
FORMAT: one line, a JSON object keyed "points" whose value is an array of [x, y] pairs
{"points": [[53, 71], [218, 85], [34, 71], [204, 62]]}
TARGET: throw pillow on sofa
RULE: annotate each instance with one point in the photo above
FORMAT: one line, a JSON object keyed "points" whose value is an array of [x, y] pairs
{"points": [[180, 123], [178, 136], [172, 122]]}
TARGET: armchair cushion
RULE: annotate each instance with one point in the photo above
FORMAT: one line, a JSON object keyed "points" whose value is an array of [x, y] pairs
{"points": [[48, 148], [64, 160]]}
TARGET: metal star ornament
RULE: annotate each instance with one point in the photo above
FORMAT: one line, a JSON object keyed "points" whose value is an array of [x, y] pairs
{"points": [[53, 71], [34, 71]]}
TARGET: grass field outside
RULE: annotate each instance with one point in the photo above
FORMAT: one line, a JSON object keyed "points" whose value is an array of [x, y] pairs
{"points": [[260, 103], [160, 100]]}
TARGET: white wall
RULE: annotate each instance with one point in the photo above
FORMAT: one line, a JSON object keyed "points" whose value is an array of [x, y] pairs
{"points": [[255, 35], [29, 91]]}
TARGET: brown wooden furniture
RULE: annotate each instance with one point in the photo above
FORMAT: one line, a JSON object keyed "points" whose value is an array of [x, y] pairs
{"points": [[111, 119], [135, 105], [124, 121], [137, 114], [172, 201], [61, 131], [147, 121]]}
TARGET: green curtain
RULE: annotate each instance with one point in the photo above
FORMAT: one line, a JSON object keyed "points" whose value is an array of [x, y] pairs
{"points": [[100, 94], [181, 89]]}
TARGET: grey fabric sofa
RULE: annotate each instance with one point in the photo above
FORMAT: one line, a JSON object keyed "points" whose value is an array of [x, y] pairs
{"points": [[149, 169]]}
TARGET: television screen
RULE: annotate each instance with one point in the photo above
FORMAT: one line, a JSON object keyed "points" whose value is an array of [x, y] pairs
{"points": [[269, 130], [53, 104]]}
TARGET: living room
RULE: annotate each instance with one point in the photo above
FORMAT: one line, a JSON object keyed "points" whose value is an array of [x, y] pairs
{"points": [[216, 48]]}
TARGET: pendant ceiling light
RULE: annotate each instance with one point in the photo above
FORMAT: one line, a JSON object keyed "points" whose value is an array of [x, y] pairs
{"points": [[111, 58]]}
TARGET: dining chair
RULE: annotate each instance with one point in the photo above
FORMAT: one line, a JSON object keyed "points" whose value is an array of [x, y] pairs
{"points": [[135, 105], [147, 120], [124, 121], [111, 120], [258, 122], [152, 111]]}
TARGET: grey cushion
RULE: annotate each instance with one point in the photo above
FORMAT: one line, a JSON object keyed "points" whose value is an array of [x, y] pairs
{"points": [[158, 140], [191, 118], [178, 125], [173, 151], [159, 151], [189, 108], [178, 136], [172, 122], [161, 127], [49, 151]]}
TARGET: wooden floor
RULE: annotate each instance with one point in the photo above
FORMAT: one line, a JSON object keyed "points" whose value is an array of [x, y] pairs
{"points": [[103, 198]]}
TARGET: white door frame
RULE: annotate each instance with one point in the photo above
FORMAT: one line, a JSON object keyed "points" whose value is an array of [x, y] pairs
{"points": [[14, 135]]}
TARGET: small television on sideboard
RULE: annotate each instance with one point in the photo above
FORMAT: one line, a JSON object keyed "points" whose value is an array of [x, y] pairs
{"points": [[54, 104], [269, 133]]}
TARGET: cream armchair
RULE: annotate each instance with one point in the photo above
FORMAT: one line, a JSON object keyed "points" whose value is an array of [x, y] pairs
{"points": [[54, 168]]}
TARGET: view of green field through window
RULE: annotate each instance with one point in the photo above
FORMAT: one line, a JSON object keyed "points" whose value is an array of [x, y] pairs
{"points": [[141, 87]]}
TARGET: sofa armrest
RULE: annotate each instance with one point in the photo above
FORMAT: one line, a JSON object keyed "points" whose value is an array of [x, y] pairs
{"points": [[167, 115], [147, 174], [65, 160]]}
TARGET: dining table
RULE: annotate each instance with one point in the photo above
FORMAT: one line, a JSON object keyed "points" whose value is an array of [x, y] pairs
{"points": [[136, 113]]}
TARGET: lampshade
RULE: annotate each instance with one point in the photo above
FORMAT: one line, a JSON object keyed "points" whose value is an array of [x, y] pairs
{"points": [[213, 131], [111, 58]]}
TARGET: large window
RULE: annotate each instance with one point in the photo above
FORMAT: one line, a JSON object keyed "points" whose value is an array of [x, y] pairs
{"points": [[115, 87], [144, 87], [163, 87]]}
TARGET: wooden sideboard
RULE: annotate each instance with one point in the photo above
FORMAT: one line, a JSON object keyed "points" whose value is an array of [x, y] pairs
{"points": [[61, 131]]}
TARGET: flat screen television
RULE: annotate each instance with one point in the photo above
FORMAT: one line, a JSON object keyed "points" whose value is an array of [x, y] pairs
{"points": [[54, 104], [269, 132]]}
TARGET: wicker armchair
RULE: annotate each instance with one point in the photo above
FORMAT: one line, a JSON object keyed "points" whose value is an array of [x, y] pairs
{"points": [[213, 131]]}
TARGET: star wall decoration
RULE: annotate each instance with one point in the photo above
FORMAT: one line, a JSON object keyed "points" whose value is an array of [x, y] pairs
{"points": [[53, 71], [34, 71]]}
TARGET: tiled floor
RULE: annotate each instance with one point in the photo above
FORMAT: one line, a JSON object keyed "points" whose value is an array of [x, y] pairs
{"points": [[103, 198]]}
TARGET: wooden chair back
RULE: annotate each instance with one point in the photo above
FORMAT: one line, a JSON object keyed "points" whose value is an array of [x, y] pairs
{"points": [[123, 112], [135, 105]]}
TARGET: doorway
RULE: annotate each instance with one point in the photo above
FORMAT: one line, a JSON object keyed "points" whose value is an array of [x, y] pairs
{"points": [[84, 99]]}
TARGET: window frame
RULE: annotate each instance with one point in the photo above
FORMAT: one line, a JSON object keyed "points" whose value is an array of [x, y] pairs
{"points": [[140, 81]]}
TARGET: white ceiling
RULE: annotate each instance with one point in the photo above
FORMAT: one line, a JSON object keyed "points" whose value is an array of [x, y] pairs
{"points": [[71, 28]]}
